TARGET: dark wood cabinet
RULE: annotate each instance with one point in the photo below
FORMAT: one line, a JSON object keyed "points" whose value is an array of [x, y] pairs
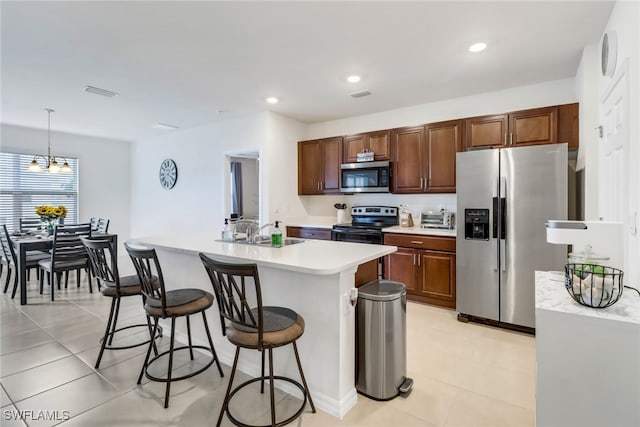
{"points": [[408, 160], [319, 166], [437, 272], [378, 142], [518, 128], [443, 141], [533, 127], [424, 158], [426, 265], [486, 131], [309, 232], [568, 130]]}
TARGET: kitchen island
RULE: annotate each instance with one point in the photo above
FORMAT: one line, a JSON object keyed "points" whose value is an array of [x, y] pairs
{"points": [[313, 278]]}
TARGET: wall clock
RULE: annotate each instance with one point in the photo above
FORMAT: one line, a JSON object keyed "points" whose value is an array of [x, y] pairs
{"points": [[609, 53], [168, 174]]}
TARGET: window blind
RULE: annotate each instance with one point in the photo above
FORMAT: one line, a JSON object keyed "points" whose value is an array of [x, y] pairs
{"points": [[21, 191]]}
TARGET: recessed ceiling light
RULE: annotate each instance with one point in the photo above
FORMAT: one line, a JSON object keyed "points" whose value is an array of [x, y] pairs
{"points": [[272, 100], [164, 126], [98, 91], [477, 47], [353, 79]]}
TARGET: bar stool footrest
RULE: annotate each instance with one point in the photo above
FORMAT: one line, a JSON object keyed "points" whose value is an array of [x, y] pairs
{"points": [[266, 378], [183, 377], [112, 333]]}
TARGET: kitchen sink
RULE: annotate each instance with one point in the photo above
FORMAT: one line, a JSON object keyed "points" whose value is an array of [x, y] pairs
{"points": [[266, 241], [285, 241]]}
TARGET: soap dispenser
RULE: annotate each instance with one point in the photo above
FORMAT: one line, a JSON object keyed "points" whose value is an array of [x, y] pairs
{"points": [[276, 236], [227, 231]]}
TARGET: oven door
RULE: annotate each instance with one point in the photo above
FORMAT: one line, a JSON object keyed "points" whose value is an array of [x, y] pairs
{"points": [[357, 236]]}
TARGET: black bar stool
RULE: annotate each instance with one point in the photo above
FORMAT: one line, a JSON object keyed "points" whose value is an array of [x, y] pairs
{"points": [[258, 328], [163, 304], [105, 267]]}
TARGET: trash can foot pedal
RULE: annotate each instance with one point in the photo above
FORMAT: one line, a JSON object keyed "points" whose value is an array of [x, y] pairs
{"points": [[406, 386]]}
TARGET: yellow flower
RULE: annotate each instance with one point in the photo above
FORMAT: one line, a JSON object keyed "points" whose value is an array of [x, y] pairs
{"points": [[48, 213]]}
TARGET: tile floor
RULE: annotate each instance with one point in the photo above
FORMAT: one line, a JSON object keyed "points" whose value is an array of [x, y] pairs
{"points": [[465, 374]]}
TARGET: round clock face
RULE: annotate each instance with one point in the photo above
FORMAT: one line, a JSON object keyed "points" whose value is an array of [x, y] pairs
{"points": [[168, 174], [609, 53]]}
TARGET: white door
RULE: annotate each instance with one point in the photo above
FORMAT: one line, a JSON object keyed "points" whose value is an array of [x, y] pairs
{"points": [[613, 150]]}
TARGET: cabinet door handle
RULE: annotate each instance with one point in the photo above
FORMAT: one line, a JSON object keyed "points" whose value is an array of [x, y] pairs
{"points": [[417, 242], [419, 260], [414, 259], [511, 138], [505, 138]]}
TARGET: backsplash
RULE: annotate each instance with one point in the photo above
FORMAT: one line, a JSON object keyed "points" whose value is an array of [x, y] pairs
{"points": [[417, 203]]}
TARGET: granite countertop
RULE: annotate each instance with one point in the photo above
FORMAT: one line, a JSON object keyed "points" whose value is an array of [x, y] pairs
{"points": [[419, 230], [552, 295]]}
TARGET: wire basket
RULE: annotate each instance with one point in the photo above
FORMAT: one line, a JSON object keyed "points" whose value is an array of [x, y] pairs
{"points": [[593, 285]]}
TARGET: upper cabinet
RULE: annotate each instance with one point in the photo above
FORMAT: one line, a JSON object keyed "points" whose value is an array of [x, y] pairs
{"points": [[568, 125], [443, 141], [519, 128], [319, 166], [408, 165], [377, 141], [533, 127], [424, 158], [486, 131]]}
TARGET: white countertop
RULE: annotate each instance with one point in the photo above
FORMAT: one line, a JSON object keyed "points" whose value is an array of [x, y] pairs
{"points": [[419, 230], [551, 294], [312, 256]]}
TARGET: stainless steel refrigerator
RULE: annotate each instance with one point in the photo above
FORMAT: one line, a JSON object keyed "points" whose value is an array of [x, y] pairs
{"points": [[505, 196]]}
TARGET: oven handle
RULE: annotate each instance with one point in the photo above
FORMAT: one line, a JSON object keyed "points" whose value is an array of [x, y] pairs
{"points": [[359, 232]]}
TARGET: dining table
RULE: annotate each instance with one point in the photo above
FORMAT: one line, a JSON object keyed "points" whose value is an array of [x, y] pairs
{"points": [[27, 242]]}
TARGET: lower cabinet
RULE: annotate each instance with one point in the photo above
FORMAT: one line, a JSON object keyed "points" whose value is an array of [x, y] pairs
{"points": [[309, 233], [429, 273]]}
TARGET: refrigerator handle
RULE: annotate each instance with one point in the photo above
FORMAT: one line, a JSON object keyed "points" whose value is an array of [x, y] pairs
{"points": [[495, 211], [503, 223]]}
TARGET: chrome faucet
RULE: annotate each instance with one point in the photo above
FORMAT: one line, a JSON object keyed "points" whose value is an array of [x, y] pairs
{"points": [[253, 229], [259, 230]]}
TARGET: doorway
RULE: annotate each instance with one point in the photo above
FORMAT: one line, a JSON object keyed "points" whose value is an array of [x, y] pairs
{"points": [[243, 186]]}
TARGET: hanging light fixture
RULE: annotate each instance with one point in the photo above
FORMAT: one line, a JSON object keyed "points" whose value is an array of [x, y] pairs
{"points": [[51, 164]]}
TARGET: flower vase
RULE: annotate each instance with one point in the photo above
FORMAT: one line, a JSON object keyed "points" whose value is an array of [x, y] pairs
{"points": [[50, 228]]}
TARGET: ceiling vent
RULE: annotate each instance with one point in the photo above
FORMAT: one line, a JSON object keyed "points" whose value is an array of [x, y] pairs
{"points": [[360, 94], [164, 126], [98, 91]]}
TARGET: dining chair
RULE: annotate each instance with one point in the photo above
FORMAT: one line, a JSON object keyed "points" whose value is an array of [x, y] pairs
{"points": [[68, 254], [99, 225], [256, 327], [104, 262], [29, 224], [10, 259], [163, 304]]}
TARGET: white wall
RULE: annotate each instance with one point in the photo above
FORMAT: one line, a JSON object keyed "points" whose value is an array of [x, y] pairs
{"points": [[200, 200], [104, 170], [592, 86]]}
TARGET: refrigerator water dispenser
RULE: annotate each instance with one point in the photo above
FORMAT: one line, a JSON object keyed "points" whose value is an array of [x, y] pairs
{"points": [[476, 224]]}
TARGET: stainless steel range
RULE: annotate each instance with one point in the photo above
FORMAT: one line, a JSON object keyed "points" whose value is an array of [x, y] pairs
{"points": [[366, 225]]}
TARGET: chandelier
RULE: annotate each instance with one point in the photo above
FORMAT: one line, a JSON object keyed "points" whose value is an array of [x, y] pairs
{"points": [[50, 162]]}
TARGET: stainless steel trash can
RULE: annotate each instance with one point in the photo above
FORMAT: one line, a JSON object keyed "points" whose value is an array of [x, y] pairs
{"points": [[381, 334]]}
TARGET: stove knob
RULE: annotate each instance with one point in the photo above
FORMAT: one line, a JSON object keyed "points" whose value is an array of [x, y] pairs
{"points": [[386, 211]]}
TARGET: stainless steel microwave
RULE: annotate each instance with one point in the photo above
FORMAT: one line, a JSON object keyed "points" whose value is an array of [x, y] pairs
{"points": [[365, 177]]}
